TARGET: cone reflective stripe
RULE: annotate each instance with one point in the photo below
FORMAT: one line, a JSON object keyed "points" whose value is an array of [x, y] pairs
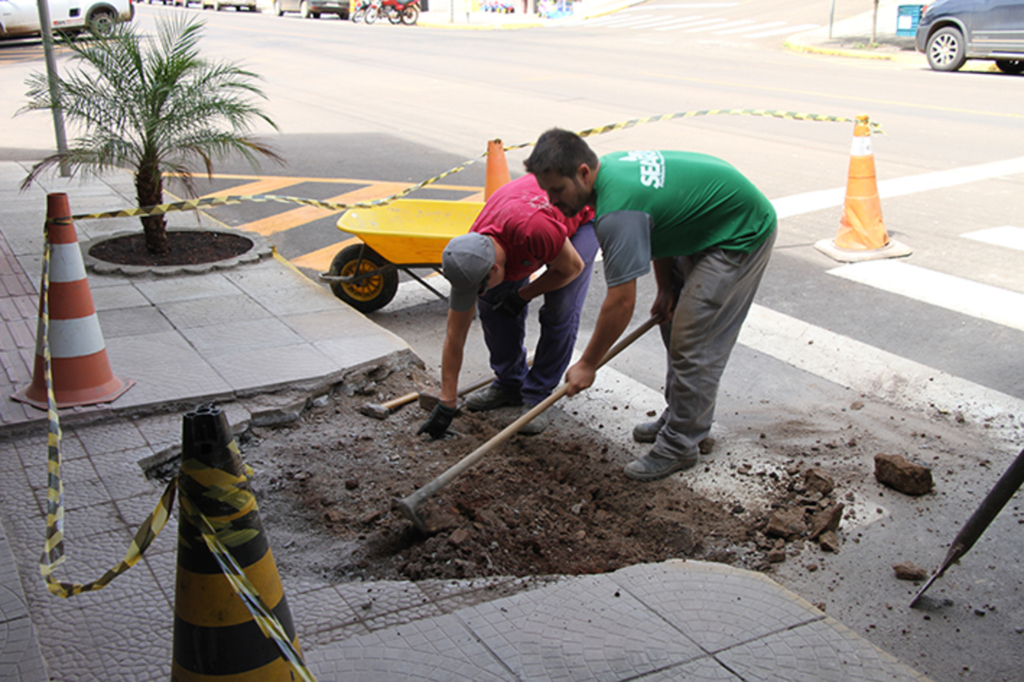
{"points": [[862, 234], [216, 636], [497, 168], [79, 366]]}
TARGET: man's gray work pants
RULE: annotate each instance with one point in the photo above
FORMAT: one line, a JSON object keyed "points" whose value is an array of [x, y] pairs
{"points": [[718, 288]]}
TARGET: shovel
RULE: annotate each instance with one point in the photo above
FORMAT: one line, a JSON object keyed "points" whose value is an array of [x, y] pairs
{"points": [[1004, 489], [408, 505]]}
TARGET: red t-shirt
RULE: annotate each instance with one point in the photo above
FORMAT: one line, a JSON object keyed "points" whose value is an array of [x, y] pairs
{"points": [[531, 230]]}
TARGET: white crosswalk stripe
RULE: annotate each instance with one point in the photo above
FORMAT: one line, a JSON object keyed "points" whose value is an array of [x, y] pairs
{"points": [[746, 28]]}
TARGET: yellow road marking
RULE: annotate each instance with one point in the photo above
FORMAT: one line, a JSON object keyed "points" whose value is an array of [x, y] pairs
{"points": [[320, 260], [265, 186], [307, 214]]}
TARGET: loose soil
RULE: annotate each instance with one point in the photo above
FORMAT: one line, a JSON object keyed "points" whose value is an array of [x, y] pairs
{"points": [[554, 503]]}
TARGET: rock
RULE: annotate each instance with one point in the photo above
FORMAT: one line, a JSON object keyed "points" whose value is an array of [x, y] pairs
{"points": [[706, 445], [827, 520], [829, 541], [817, 480], [459, 537], [786, 523], [907, 570], [906, 477], [777, 556]]}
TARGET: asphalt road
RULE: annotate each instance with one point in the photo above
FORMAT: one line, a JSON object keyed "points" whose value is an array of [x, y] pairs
{"points": [[919, 356]]}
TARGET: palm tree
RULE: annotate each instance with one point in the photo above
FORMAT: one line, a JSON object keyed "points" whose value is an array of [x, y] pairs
{"points": [[153, 105]]}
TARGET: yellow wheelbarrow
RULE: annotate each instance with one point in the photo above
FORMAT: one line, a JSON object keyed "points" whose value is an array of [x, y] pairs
{"points": [[401, 235]]}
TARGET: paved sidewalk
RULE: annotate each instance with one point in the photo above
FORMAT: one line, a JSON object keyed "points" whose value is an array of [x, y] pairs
{"points": [[260, 340]]}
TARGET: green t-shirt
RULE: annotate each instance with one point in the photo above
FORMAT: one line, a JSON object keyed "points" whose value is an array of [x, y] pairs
{"points": [[657, 204]]}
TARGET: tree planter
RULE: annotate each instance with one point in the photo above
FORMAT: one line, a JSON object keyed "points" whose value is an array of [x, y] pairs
{"points": [[215, 249]]}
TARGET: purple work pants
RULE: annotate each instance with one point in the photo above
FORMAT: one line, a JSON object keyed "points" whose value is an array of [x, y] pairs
{"points": [[559, 322]]}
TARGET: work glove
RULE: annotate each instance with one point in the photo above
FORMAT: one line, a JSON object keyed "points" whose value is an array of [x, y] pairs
{"points": [[438, 422], [509, 304]]}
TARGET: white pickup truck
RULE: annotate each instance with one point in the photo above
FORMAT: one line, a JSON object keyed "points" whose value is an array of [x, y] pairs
{"points": [[21, 17]]}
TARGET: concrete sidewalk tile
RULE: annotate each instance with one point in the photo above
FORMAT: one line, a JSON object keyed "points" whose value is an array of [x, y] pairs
{"points": [[122, 477], [277, 287], [240, 337], [109, 293], [822, 651], [701, 670], [166, 370], [222, 310], [715, 605], [128, 322], [586, 629], [373, 599], [437, 649], [20, 657], [105, 438], [185, 288], [322, 616], [267, 368]]}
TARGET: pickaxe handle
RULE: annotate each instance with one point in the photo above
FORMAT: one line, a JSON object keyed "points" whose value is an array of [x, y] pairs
{"points": [[1004, 489]]}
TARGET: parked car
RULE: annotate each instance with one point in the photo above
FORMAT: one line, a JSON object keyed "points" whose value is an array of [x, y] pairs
{"points": [[21, 17], [239, 5], [952, 31], [312, 8]]}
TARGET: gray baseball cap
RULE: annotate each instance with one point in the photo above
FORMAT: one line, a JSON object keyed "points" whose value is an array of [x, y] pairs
{"points": [[466, 262]]}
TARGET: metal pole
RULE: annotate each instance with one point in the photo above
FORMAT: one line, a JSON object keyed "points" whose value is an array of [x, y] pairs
{"points": [[831, 17], [45, 26]]}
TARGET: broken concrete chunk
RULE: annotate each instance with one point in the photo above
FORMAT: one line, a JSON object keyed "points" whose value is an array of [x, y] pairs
{"points": [[902, 475], [786, 523], [827, 520], [907, 570], [817, 480], [829, 541]]}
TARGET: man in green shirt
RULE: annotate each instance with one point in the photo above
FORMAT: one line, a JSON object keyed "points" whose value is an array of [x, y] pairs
{"points": [[709, 232]]}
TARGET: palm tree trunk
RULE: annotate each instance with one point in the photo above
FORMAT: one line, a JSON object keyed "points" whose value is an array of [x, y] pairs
{"points": [[149, 191]]}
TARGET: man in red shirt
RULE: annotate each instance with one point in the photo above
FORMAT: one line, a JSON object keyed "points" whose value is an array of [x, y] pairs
{"points": [[517, 232]]}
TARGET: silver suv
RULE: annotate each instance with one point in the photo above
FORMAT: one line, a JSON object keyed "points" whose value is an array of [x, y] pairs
{"points": [[953, 31], [21, 17]]}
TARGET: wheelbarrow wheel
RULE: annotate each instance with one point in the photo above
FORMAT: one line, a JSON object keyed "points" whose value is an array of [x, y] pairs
{"points": [[365, 295]]}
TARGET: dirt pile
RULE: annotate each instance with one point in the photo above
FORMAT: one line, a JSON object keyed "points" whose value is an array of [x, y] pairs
{"points": [[556, 503]]}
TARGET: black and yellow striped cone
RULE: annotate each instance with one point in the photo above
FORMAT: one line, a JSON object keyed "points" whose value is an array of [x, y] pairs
{"points": [[216, 636]]}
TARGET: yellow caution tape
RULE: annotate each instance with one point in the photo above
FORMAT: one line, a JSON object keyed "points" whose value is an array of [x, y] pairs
{"points": [[218, 536], [232, 199], [218, 541], [53, 549]]}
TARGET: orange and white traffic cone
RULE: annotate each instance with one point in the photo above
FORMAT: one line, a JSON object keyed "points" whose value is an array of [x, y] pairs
{"points": [[497, 168], [79, 367], [862, 234]]}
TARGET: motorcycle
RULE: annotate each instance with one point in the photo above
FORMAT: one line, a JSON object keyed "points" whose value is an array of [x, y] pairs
{"points": [[397, 11], [402, 11], [368, 11]]}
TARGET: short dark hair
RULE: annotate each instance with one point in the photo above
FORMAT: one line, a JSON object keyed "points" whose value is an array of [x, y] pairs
{"points": [[560, 151]]}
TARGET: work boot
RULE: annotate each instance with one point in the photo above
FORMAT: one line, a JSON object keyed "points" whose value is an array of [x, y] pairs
{"points": [[537, 424], [648, 431], [491, 398], [655, 465]]}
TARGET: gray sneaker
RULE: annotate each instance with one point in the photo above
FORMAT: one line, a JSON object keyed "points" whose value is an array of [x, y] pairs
{"points": [[648, 431], [491, 398], [654, 466], [537, 424]]}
